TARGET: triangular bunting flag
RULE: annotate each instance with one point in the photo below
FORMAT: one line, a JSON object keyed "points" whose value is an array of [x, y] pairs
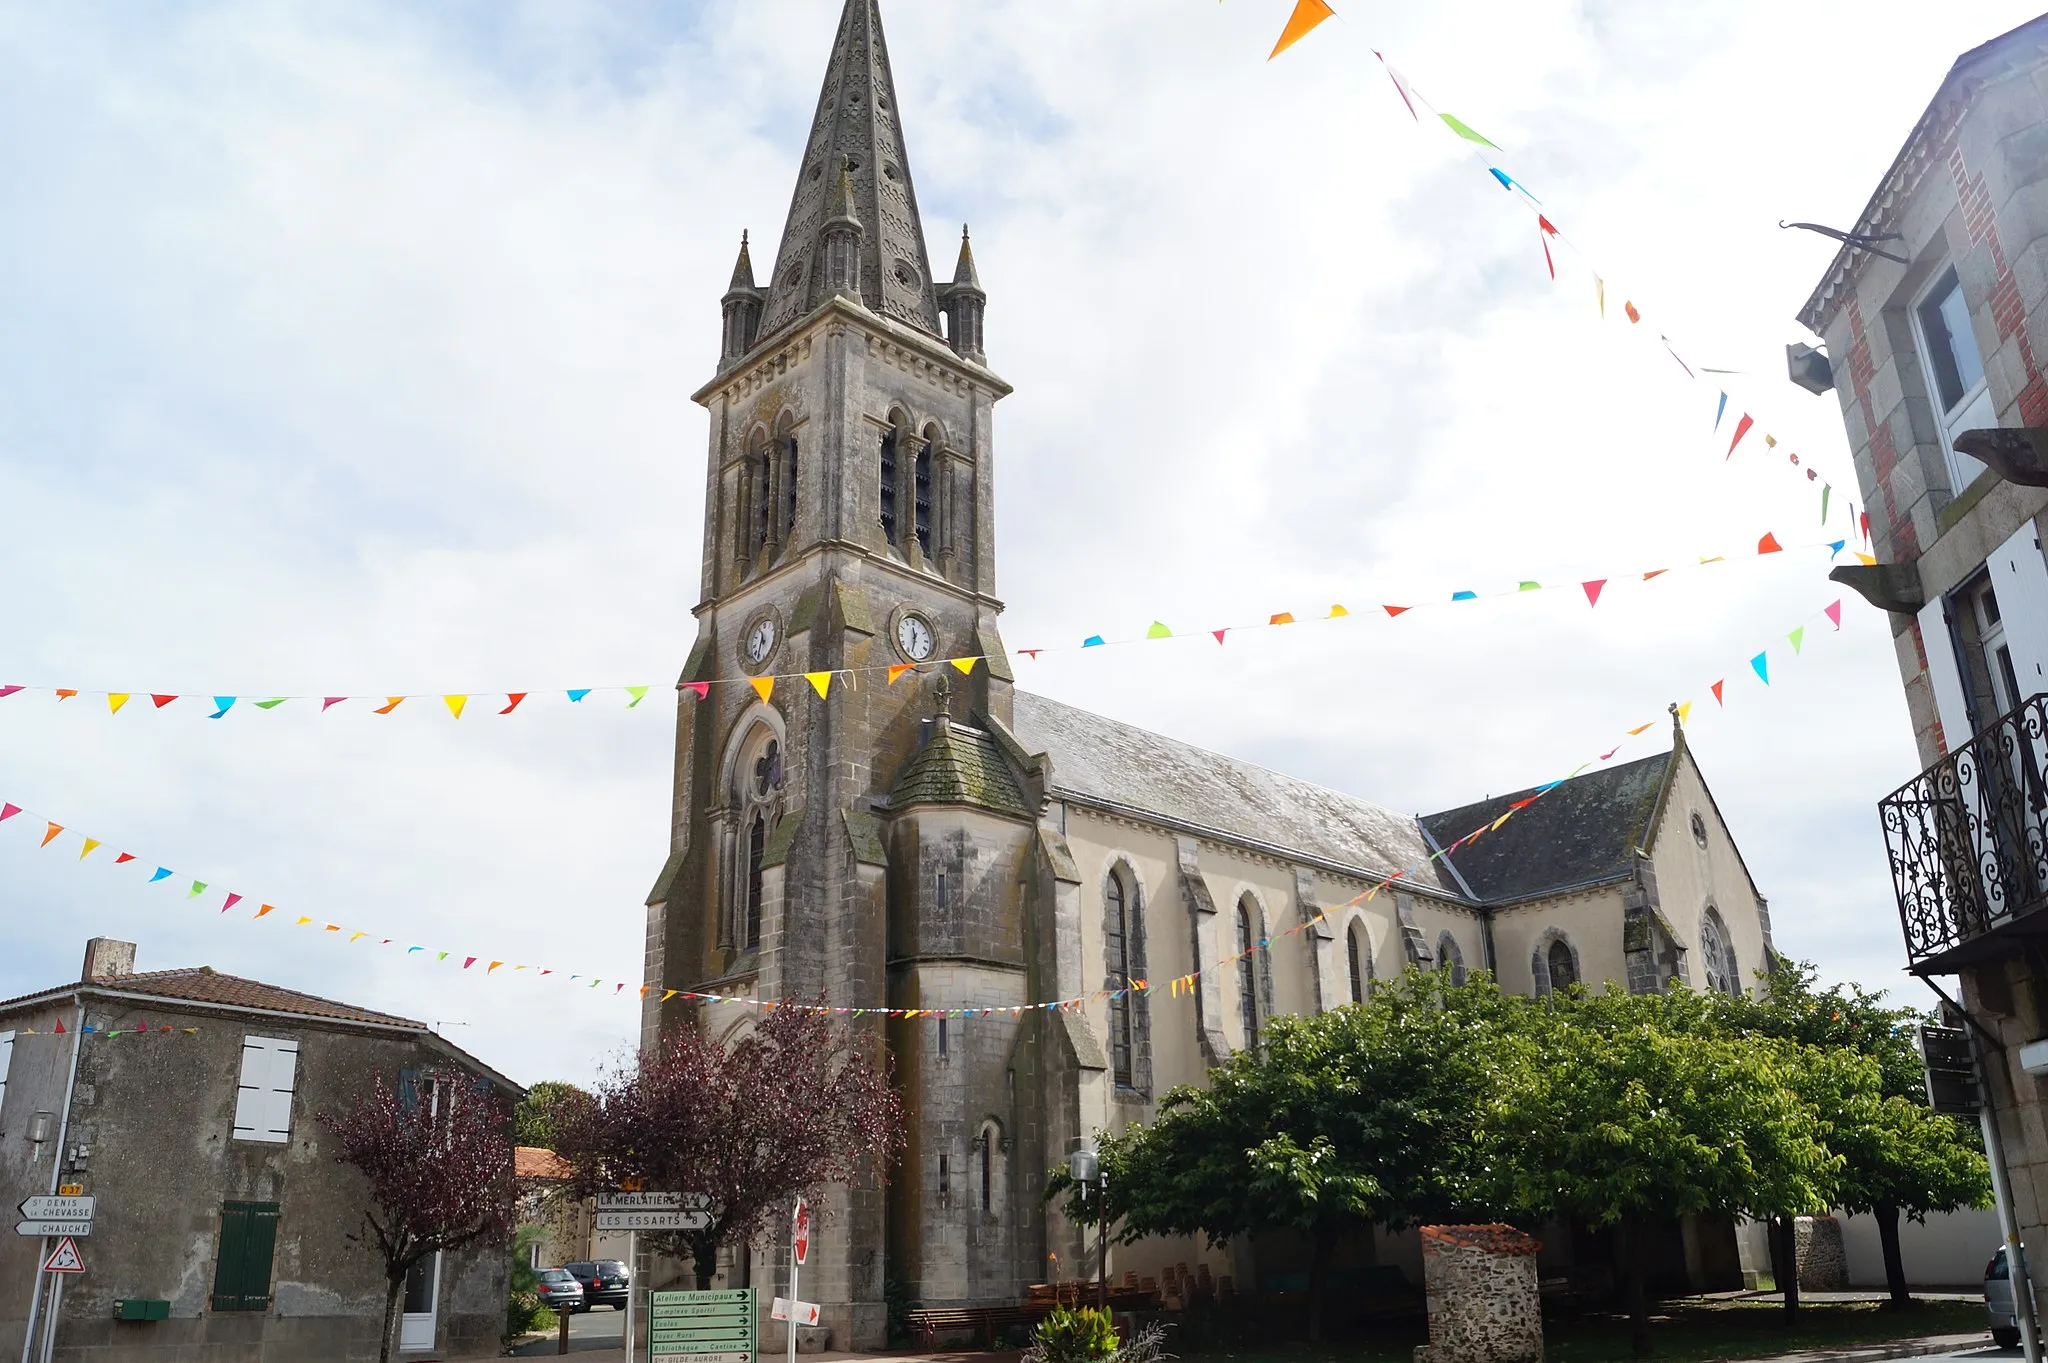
{"points": [[87, 850], [115, 700], [1769, 544], [821, 682], [6, 691], [703, 689], [1158, 631], [965, 666], [1603, 757], [455, 704], [1337, 612], [764, 687], [124, 858], [8, 811], [1307, 14], [198, 888], [1529, 587], [1835, 548], [1396, 610], [1834, 613], [1720, 411], [390, 703], [1092, 641], [1762, 664], [161, 701], [1640, 728], [1600, 295], [1592, 590], [1716, 689], [162, 873], [1464, 596], [1219, 633], [272, 703], [1655, 572], [576, 696], [1826, 491], [1798, 637], [1463, 130], [514, 697], [1283, 618], [1630, 309], [1684, 712], [65, 693], [262, 909], [50, 834], [1865, 559], [898, 669], [233, 899], [1741, 429], [329, 702], [225, 704], [638, 693]]}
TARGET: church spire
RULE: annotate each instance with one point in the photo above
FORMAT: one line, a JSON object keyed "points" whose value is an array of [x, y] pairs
{"points": [[742, 307], [964, 304], [856, 130], [742, 269]]}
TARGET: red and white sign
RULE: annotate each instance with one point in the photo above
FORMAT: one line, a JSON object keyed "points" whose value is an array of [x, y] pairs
{"points": [[64, 1258], [803, 1231], [806, 1312]]}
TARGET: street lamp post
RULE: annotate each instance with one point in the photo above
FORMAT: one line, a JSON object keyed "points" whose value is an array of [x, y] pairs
{"points": [[1086, 1168]]}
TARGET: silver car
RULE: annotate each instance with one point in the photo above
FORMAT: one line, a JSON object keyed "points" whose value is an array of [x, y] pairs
{"points": [[2005, 1325]]}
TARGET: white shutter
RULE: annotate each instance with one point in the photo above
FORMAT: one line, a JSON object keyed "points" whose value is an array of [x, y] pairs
{"points": [[1937, 640], [2019, 576], [6, 1059], [263, 1104]]}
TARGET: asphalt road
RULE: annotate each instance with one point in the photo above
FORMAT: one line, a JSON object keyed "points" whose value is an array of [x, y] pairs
{"points": [[589, 1331]]}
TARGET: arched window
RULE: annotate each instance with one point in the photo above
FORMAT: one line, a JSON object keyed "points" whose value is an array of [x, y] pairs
{"points": [[1554, 964], [788, 487], [889, 486], [757, 844], [923, 490], [1449, 956], [1116, 924], [1247, 974], [989, 1146], [1717, 954], [760, 498], [988, 1171], [1358, 957]]}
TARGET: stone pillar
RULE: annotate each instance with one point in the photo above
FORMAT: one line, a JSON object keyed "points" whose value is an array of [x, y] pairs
{"points": [[1483, 1301]]}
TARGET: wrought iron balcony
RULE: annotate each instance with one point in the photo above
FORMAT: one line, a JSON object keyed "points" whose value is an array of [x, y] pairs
{"points": [[1968, 845]]}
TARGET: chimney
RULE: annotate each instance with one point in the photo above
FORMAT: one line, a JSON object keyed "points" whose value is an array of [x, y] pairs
{"points": [[106, 958]]}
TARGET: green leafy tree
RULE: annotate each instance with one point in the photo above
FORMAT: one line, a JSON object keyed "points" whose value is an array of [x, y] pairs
{"points": [[1624, 1109], [534, 1120], [1368, 1113], [1901, 1156]]}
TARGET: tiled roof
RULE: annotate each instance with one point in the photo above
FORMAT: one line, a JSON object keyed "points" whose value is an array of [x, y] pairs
{"points": [[1581, 833], [532, 1161], [204, 984], [1096, 759], [960, 765]]}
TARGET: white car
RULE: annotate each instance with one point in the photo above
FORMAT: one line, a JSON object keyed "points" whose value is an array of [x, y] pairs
{"points": [[2005, 1326]]}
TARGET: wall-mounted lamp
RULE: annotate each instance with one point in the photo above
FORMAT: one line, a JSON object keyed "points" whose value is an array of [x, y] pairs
{"points": [[1809, 368]]}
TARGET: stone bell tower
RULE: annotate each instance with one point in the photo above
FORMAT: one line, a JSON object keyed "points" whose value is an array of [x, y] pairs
{"points": [[848, 526]]}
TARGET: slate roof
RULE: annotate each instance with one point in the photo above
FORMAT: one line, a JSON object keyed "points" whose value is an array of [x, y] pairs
{"points": [[1582, 833], [204, 984], [1097, 760], [960, 765]]}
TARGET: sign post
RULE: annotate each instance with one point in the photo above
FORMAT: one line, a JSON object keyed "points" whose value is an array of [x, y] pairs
{"points": [[702, 1327], [799, 1251], [637, 1211]]}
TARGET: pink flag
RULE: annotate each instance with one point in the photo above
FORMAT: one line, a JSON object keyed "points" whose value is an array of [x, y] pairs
{"points": [[1219, 633], [1741, 429], [330, 702], [9, 811], [703, 689], [1834, 613], [1593, 590], [233, 900]]}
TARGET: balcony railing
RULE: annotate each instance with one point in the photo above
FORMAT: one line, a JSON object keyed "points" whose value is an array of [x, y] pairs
{"points": [[1968, 844]]}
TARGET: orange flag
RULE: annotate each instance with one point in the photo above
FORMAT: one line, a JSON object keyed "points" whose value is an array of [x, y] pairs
{"points": [[51, 836], [1769, 544], [764, 687], [1307, 14], [393, 702], [898, 669]]}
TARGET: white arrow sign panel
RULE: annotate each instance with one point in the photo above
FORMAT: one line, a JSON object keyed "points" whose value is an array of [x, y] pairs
{"points": [[53, 1228], [56, 1208], [653, 1220], [806, 1311]]}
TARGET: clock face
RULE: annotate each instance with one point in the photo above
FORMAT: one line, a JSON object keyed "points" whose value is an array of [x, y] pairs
{"points": [[914, 637], [761, 641]]}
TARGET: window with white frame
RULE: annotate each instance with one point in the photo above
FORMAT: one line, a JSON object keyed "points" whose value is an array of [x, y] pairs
{"points": [[263, 1106], [1956, 386]]}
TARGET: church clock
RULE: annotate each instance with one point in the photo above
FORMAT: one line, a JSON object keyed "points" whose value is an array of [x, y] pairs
{"points": [[914, 637], [761, 640]]}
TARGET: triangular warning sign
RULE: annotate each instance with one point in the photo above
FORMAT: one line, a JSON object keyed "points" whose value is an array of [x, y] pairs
{"points": [[64, 1258]]}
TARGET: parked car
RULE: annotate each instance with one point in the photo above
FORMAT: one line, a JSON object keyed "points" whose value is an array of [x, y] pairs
{"points": [[2005, 1323], [605, 1282], [559, 1291]]}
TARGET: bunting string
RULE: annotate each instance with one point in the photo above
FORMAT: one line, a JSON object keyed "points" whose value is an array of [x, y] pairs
{"points": [[49, 832], [457, 704], [1309, 14]]}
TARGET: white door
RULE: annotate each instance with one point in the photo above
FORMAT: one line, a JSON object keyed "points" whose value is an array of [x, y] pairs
{"points": [[422, 1296]]}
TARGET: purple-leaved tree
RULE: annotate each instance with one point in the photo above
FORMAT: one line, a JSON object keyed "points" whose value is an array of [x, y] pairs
{"points": [[438, 1164], [798, 1102]]}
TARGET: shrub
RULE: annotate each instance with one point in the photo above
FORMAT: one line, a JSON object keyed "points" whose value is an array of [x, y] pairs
{"points": [[1083, 1336]]}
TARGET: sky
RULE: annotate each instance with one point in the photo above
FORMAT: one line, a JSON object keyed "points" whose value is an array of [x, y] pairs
{"points": [[348, 349]]}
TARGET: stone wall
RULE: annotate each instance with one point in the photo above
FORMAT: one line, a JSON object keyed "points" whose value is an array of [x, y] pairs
{"points": [[1484, 1305]]}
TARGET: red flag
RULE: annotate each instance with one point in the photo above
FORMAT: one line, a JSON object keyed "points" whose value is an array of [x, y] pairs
{"points": [[1741, 429], [703, 689], [60, 1026], [1395, 610], [162, 701], [1834, 613], [124, 857], [1630, 309], [1769, 544], [1547, 232], [1716, 689], [1593, 590], [516, 696], [1219, 633], [1031, 653]]}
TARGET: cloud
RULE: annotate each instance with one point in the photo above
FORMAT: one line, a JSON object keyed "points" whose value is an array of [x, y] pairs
{"points": [[352, 350]]}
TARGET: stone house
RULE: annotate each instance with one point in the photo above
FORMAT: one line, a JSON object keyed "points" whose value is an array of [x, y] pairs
{"points": [[191, 1118], [920, 840], [1935, 330], [567, 1227]]}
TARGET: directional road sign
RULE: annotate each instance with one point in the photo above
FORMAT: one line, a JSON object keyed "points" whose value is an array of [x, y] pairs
{"points": [[653, 1202], [702, 1327], [56, 1208], [653, 1220], [53, 1228], [806, 1311], [803, 1231], [64, 1259]]}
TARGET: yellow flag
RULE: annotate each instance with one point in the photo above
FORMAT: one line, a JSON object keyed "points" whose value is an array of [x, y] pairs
{"points": [[1865, 559], [821, 682], [115, 700], [966, 665], [1683, 711], [1336, 611], [455, 704], [1307, 14], [302, 922], [90, 843], [668, 994], [764, 687], [1639, 729], [1501, 820]]}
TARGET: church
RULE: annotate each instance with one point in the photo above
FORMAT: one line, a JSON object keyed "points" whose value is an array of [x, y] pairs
{"points": [[955, 842]]}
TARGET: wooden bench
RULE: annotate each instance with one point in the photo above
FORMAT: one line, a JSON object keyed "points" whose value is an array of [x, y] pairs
{"points": [[984, 1321]]}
